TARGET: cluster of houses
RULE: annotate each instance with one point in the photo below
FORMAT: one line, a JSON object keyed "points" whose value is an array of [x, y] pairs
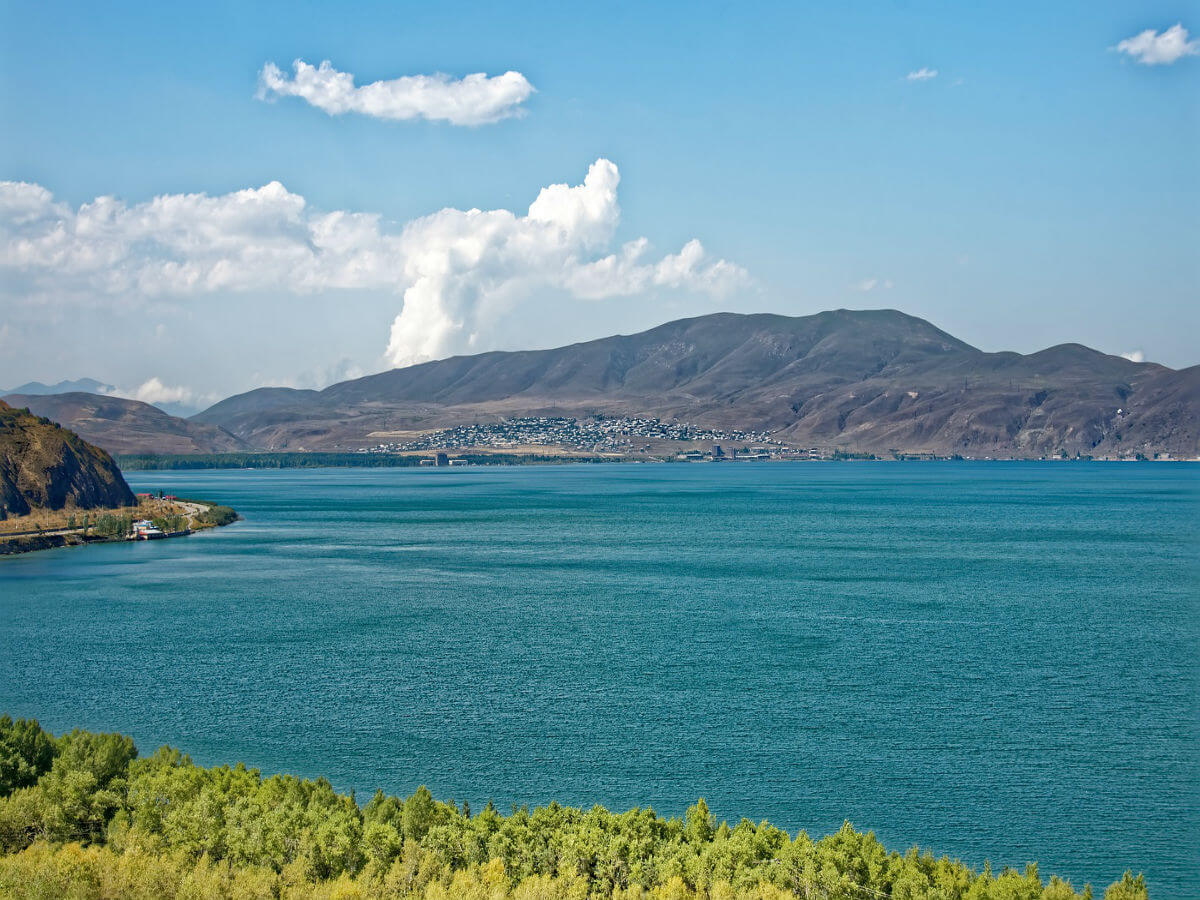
{"points": [[145, 530], [594, 434]]}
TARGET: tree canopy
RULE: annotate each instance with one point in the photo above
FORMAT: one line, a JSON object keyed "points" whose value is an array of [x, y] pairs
{"points": [[84, 816]]}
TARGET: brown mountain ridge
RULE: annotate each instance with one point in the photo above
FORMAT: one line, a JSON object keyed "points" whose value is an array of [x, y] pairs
{"points": [[127, 426], [854, 380], [871, 380]]}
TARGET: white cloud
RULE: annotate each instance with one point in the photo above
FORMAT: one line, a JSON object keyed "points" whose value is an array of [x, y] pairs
{"points": [[922, 74], [1159, 49], [475, 99], [869, 284], [174, 399], [153, 391], [459, 271], [1135, 356]]}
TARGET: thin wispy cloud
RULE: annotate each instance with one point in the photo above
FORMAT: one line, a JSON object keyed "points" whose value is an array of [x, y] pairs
{"points": [[921, 74], [1150, 48], [477, 99], [458, 271], [870, 284]]}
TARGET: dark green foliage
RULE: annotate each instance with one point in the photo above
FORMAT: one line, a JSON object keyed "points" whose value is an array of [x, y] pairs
{"points": [[26, 753], [170, 524], [218, 515], [109, 525]]}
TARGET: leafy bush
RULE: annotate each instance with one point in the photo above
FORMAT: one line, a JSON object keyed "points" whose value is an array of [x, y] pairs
{"points": [[108, 525], [26, 753], [218, 515]]}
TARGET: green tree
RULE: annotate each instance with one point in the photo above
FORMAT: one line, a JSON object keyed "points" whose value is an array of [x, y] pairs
{"points": [[1128, 888], [700, 826], [26, 752]]}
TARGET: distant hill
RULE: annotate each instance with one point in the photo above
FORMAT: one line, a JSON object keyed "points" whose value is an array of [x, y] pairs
{"points": [[43, 466], [127, 426], [92, 386], [85, 385], [873, 380]]}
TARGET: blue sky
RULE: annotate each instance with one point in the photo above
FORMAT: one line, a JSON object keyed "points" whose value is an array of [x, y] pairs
{"points": [[1042, 188]]}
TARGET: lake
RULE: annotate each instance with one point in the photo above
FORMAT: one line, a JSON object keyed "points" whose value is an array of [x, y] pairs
{"points": [[995, 660]]}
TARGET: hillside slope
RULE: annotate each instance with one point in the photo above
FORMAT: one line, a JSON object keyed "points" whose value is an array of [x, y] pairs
{"points": [[43, 466], [127, 426], [872, 380]]}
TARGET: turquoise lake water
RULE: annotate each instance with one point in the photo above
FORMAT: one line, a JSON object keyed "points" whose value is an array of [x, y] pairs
{"points": [[997, 661]]}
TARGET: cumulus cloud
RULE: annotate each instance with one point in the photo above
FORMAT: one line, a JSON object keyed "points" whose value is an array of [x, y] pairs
{"points": [[1159, 49], [457, 270], [1135, 356], [921, 74], [465, 267], [175, 399], [153, 391], [475, 99]]}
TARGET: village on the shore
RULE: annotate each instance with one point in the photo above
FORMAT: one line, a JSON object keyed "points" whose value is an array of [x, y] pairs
{"points": [[628, 438]]}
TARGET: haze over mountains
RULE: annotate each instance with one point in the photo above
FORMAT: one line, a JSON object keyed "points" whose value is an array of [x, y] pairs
{"points": [[92, 386], [865, 381], [78, 385]]}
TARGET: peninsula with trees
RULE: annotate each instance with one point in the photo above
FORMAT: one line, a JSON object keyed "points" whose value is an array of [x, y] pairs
{"points": [[56, 490]]}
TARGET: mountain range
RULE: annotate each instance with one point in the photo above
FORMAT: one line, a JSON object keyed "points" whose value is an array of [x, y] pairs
{"points": [[78, 385], [92, 386], [865, 381]]}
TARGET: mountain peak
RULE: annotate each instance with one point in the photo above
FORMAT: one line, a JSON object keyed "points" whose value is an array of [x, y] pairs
{"points": [[874, 379]]}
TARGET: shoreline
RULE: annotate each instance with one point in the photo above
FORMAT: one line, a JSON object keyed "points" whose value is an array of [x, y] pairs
{"points": [[192, 515], [362, 460]]}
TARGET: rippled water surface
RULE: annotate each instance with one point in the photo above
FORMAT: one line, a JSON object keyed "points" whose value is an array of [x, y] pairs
{"points": [[998, 661]]}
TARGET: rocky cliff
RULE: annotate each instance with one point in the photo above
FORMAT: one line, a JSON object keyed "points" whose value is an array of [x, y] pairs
{"points": [[44, 466]]}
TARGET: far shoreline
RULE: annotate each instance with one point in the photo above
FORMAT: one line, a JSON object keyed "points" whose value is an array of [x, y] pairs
{"points": [[317, 459]]}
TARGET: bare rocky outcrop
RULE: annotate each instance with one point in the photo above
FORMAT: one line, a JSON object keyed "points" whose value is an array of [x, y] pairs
{"points": [[44, 466]]}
